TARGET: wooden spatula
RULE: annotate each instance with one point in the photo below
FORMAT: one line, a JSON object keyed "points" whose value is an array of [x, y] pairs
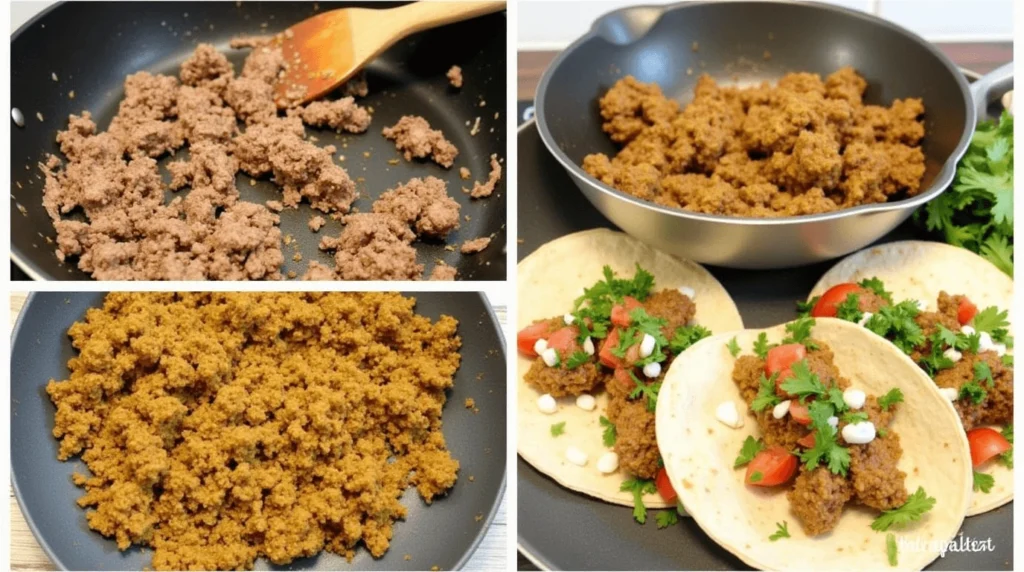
{"points": [[329, 48]]}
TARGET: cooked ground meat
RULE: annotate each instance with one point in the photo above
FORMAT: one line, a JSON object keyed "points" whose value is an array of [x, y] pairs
{"points": [[671, 305], [275, 206], [817, 499], [423, 204], [875, 478], [802, 146], [374, 246], [316, 223], [414, 138], [635, 441], [455, 76], [868, 301], [464, 174], [208, 68], [561, 382], [356, 87], [234, 416], [475, 245], [443, 272], [479, 190], [996, 408], [341, 115]]}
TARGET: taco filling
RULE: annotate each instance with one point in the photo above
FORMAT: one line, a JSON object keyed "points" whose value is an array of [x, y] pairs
{"points": [[619, 337], [818, 427], [963, 349]]}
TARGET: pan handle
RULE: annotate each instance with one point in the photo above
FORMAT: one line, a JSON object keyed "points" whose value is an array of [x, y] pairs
{"points": [[990, 87]]}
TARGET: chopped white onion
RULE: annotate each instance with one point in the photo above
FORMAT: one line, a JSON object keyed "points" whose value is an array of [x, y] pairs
{"points": [[647, 345], [568, 319], [854, 398], [540, 345], [727, 413], [652, 369], [550, 357], [688, 292], [588, 346], [547, 404], [860, 433], [576, 456], [608, 463], [586, 402], [781, 409]]}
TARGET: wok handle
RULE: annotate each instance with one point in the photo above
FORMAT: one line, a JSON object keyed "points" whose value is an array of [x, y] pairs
{"points": [[990, 87]]}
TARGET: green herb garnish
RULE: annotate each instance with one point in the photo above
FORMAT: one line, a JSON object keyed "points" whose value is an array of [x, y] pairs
{"points": [[751, 447], [799, 332], [734, 347], [849, 309], [639, 488], [609, 434], [983, 482], [826, 449], [761, 346], [686, 336], [766, 396], [666, 518], [756, 477], [993, 321], [1007, 457], [781, 531], [803, 309], [577, 359], [971, 390], [649, 391], [855, 417], [890, 549], [896, 324], [917, 504], [557, 429], [876, 286], [894, 396]]}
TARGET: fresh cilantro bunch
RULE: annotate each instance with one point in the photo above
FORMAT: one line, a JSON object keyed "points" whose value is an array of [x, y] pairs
{"points": [[976, 213], [896, 323], [595, 305]]}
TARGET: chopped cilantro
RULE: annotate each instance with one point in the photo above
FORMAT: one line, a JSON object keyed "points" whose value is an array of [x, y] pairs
{"points": [[761, 346], [804, 383], [649, 391], [734, 347], [639, 488], [891, 550], [971, 390], [666, 518], [1007, 360], [751, 447], [917, 504], [983, 373], [557, 429], [983, 482], [781, 531], [756, 477], [1007, 457], [803, 309], [855, 417], [894, 396], [577, 359], [826, 448], [936, 360], [595, 305], [849, 309], [799, 331], [993, 321], [896, 324], [609, 435], [876, 286], [686, 336], [882, 431], [766, 393]]}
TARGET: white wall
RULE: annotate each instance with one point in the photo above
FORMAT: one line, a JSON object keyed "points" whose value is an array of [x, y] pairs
{"points": [[551, 25]]}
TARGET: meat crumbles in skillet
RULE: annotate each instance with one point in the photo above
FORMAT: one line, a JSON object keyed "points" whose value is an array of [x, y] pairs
{"points": [[279, 424]]}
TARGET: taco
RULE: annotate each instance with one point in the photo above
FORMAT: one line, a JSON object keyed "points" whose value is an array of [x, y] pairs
{"points": [[948, 309], [601, 316], [846, 451]]}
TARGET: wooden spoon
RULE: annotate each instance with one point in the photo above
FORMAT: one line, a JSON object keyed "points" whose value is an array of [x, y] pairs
{"points": [[327, 49]]}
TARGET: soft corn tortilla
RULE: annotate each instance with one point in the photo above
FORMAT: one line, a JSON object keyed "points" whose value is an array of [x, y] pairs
{"points": [[918, 270], [699, 453], [549, 281]]}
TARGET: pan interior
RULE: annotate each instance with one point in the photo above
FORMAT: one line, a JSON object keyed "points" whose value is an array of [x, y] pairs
{"points": [[745, 43], [408, 79]]}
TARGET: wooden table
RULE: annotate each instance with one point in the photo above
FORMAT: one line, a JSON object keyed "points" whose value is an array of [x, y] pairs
{"points": [[27, 555], [979, 57]]}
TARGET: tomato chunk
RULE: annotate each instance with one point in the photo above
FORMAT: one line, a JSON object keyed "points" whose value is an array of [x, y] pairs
{"points": [[807, 441], [622, 376], [783, 376], [620, 312], [563, 341], [528, 336], [605, 354], [799, 412], [665, 488], [783, 357], [772, 466], [966, 311], [826, 306], [986, 443]]}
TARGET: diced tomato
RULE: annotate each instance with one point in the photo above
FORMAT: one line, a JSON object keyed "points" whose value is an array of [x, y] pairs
{"points": [[665, 488], [620, 312], [826, 306], [776, 466], [986, 443], [783, 357], [607, 357], [622, 376], [529, 335], [563, 340], [799, 412], [807, 441], [966, 311]]}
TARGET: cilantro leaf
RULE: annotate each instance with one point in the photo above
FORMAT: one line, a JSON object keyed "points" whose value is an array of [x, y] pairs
{"points": [[761, 346], [917, 504], [1007, 457], [609, 436], [666, 518], [983, 373], [876, 286], [993, 321], [894, 396], [855, 417], [804, 383], [799, 331], [896, 324], [891, 551], [756, 477], [648, 391], [557, 429], [849, 309], [577, 359], [983, 482], [639, 488], [686, 336], [826, 448], [971, 390], [781, 531], [734, 348], [751, 447], [803, 309], [766, 396]]}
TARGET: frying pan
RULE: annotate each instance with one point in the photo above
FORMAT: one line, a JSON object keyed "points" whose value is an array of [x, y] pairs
{"points": [[114, 39], [443, 534], [656, 44]]}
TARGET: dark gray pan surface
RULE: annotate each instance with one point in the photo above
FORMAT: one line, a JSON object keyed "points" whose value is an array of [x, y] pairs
{"points": [[443, 534], [112, 40], [560, 529]]}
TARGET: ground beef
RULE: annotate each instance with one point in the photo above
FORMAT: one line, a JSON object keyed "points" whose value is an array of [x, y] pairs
{"points": [[455, 76], [443, 272], [817, 499], [235, 415], [356, 87], [875, 478], [868, 301], [484, 190], [208, 68], [635, 441], [803, 146], [561, 382], [252, 100], [341, 115], [475, 245], [304, 170], [423, 204], [414, 138], [208, 165], [673, 306], [374, 246], [248, 42], [996, 408], [464, 173], [264, 63], [316, 223]]}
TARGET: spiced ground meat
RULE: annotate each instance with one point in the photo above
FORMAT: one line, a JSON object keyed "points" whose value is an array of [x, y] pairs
{"points": [[423, 204], [372, 246], [475, 245], [802, 146], [279, 424], [455, 76], [414, 138], [443, 272], [481, 190]]}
